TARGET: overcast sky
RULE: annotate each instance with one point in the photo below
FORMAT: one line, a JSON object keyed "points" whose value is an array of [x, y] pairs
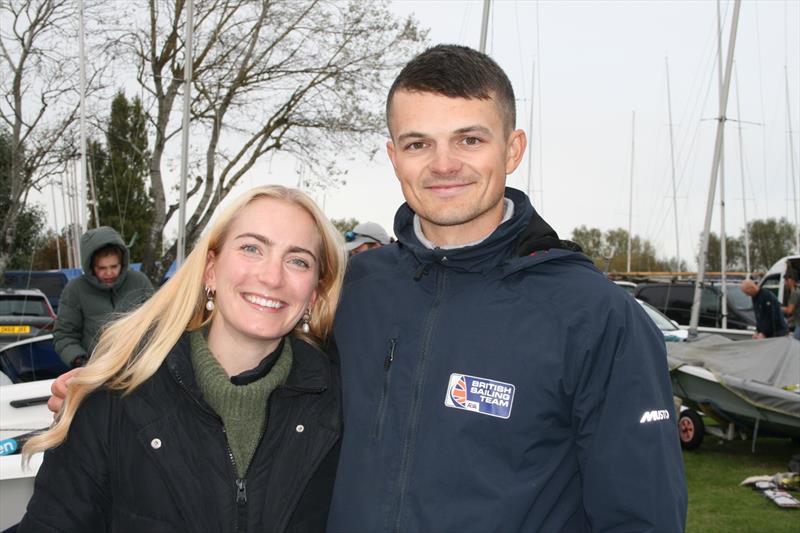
{"points": [[596, 63]]}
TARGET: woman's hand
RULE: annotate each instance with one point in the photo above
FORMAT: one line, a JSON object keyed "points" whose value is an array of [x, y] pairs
{"points": [[59, 390]]}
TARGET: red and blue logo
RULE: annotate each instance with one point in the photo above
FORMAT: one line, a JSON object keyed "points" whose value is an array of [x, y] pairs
{"points": [[480, 395]]}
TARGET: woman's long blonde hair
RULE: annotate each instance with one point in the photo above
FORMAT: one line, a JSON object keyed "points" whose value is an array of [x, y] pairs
{"points": [[131, 349]]}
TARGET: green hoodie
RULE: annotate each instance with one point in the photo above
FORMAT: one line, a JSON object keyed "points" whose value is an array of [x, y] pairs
{"points": [[87, 304]]}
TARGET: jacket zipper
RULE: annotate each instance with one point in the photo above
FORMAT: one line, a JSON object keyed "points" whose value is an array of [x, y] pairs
{"points": [[387, 365]]}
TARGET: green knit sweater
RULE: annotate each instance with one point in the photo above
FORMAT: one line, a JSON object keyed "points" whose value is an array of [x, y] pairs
{"points": [[242, 408]]}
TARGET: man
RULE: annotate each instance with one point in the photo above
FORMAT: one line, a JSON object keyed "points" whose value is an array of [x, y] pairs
{"points": [[493, 379], [767, 308], [106, 288], [365, 236], [791, 310]]}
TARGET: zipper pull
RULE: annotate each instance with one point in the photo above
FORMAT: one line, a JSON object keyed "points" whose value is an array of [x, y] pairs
{"points": [[389, 356], [241, 491]]}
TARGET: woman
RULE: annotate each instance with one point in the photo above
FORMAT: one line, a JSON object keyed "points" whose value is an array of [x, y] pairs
{"points": [[211, 407]]}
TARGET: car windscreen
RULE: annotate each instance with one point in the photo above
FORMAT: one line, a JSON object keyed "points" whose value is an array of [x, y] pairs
{"points": [[738, 299], [663, 323], [22, 306]]}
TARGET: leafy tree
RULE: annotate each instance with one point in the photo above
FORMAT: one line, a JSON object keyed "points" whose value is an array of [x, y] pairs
{"points": [[770, 239], [303, 77], [344, 224], [734, 253], [121, 170], [609, 250]]}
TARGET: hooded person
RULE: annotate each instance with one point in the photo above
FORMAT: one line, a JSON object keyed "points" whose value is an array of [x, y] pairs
{"points": [[106, 288], [366, 236]]}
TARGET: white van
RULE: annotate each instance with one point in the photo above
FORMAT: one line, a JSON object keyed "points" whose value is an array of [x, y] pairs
{"points": [[773, 279]]}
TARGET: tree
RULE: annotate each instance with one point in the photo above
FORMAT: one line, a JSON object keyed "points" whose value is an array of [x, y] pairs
{"points": [[304, 77], [343, 225], [121, 170], [609, 250], [31, 224], [39, 79], [734, 253], [770, 239]]}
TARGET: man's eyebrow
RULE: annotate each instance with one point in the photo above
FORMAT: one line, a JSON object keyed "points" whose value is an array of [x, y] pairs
{"points": [[267, 242], [410, 135], [474, 129]]}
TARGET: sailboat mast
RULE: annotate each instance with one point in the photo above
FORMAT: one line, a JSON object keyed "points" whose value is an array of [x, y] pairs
{"points": [[487, 7], [187, 99], [81, 219], [741, 171], [701, 259], [723, 256], [672, 160], [630, 195], [791, 163], [530, 130]]}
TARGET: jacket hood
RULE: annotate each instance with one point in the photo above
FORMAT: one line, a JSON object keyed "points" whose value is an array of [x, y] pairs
{"points": [[524, 234], [93, 240]]}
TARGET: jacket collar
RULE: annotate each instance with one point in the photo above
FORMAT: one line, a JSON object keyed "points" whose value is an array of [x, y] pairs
{"points": [[525, 233]]}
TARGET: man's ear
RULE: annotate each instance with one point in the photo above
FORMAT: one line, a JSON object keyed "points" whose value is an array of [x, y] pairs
{"points": [[515, 150], [390, 151]]}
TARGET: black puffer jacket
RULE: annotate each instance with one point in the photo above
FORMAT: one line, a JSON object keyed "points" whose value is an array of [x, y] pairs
{"points": [[158, 460]]}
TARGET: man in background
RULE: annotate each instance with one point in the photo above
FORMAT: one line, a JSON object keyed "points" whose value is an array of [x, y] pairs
{"points": [[106, 288], [792, 310], [767, 308], [365, 236]]}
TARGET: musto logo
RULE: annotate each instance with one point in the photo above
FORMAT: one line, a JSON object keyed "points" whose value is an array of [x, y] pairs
{"points": [[480, 395]]}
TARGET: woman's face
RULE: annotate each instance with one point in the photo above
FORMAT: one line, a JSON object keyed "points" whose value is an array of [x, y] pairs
{"points": [[265, 274]]}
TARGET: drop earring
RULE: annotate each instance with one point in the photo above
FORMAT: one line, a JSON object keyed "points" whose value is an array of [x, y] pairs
{"points": [[304, 327], [209, 298]]}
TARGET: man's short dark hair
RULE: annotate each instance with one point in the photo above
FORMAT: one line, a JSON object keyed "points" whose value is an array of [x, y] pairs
{"points": [[108, 249], [457, 72]]}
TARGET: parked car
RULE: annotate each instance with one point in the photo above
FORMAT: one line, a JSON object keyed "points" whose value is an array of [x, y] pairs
{"points": [[773, 279], [628, 286], [31, 359], [24, 314], [675, 301], [50, 282], [670, 330]]}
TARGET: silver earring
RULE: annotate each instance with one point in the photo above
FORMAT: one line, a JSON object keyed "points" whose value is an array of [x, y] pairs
{"points": [[209, 298], [305, 320]]}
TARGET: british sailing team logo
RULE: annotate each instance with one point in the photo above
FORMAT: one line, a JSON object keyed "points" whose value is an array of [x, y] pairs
{"points": [[480, 395]]}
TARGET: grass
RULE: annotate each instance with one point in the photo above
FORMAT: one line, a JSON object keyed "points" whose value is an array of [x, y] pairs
{"points": [[718, 503]]}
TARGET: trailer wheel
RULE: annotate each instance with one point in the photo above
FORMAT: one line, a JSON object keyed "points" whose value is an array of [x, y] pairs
{"points": [[691, 429]]}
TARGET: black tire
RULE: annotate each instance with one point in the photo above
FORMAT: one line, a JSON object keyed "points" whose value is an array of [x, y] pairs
{"points": [[691, 429]]}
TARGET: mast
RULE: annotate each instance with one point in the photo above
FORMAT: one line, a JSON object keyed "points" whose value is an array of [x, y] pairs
{"points": [[187, 94], [672, 161], [741, 171], [630, 195], [530, 129], [723, 253], [701, 259], [81, 219], [791, 163], [487, 7]]}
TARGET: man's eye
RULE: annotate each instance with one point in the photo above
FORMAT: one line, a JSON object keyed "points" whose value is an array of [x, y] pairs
{"points": [[472, 141], [415, 146]]}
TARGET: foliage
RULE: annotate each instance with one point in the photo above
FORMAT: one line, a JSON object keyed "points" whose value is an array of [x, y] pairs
{"points": [[344, 224], [609, 250], [121, 170], [718, 503], [770, 239], [734, 254]]}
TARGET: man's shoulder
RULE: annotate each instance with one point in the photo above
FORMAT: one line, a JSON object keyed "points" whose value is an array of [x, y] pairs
{"points": [[136, 279]]}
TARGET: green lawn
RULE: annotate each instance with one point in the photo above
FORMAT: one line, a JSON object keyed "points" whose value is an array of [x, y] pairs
{"points": [[718, 503]]}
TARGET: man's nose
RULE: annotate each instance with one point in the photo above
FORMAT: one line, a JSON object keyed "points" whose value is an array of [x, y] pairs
{"points": [[445, 162]]}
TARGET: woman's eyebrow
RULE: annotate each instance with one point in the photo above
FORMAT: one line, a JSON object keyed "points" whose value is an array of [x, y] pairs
{"points": [[267, 242]]}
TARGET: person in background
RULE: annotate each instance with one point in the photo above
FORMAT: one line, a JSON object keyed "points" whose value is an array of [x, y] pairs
{"points": [[365, 236], [767, 308], [211, 407], [791, 310], [493, 379]]}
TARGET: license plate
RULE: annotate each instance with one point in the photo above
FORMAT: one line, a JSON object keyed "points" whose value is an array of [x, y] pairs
{"points": [[11, 330]]}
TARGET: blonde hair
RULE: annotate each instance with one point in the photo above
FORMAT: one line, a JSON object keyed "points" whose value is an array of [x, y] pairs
{"points": [[131, 349]]}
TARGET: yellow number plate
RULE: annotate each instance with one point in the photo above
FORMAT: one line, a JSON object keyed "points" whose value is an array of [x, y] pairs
{"points": [[10, 330]]}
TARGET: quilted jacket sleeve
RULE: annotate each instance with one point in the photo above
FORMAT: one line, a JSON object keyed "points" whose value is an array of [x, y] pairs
{"points": [[69, 326]]}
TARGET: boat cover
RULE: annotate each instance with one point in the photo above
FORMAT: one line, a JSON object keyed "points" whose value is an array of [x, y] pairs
{"points": [[765, 373]]}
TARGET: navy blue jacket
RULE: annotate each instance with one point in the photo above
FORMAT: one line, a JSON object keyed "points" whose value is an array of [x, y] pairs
{"points": [[489, 389], [769, 316]]}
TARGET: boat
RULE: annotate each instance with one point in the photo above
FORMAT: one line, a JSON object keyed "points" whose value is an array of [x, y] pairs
{"points": [[750, 388], [23, 409]]}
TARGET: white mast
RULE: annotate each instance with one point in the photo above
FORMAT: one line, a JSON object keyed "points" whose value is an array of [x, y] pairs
{"points": [[791, 163], [672, 160], [723, 253], [487, 6], [530, 131], [630, 196], [741, 171], [81, 219], [701, 260], [187, 96]]}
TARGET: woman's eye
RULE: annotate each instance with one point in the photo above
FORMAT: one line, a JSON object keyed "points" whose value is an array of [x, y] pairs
{"points": [[249, 248], [302, 263]]}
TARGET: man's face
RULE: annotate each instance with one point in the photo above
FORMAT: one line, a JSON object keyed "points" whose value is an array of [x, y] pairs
{"points": [[363, 248], [451, 156], [107, 268]]}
